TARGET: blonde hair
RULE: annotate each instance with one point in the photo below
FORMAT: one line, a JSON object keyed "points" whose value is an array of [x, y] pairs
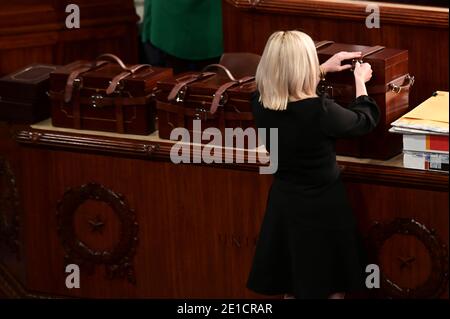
{"points": [[288, 70]]}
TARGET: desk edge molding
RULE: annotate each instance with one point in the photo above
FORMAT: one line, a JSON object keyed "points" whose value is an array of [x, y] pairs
{"points": [[390, 13], [351, 171]]}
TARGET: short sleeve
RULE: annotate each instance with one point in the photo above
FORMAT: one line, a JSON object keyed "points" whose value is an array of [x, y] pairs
{"points": [[361, 117]]}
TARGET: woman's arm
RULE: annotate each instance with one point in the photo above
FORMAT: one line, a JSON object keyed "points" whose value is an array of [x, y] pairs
{"points": [[362, 73], [361, 117], [360, 87], [333, 64]]}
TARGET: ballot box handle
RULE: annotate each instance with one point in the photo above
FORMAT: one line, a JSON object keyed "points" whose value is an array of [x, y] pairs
{"points": [[407, 83]]}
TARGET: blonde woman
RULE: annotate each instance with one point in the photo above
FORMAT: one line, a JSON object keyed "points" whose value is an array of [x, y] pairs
{"points": [[308, 246]]}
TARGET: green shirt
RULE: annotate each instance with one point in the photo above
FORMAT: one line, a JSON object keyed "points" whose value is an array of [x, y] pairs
{"points": [[186, 29]]}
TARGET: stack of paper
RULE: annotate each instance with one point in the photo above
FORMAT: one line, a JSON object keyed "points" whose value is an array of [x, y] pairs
{"points": [[425, 134]]}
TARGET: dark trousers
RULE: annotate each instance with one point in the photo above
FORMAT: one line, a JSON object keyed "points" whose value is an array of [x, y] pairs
{"points": [[156, 57]]}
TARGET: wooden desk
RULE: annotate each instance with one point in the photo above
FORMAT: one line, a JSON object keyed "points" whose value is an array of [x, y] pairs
{"points": [[140, 226]]}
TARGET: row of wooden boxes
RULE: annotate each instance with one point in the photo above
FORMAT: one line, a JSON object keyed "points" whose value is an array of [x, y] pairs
{"points": [[107, 95]]}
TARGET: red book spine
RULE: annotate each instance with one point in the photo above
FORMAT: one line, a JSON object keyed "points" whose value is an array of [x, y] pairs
{"points": [[437, 142]]}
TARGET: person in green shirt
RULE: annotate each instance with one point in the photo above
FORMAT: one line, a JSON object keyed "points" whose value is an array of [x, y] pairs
{"points": [[183, 34]]}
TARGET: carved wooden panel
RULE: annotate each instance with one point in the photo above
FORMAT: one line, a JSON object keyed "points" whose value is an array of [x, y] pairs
{"points": [[96, 235], [11, 288], [412, 258], [198, 224], [406, 231], [9, 208]]}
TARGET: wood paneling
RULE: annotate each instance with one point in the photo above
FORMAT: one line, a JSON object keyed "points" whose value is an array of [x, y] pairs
{"points": [[422, 31], [11, 210], [354, 171], [187, 240], [35, 32], [197, 224], [424, 210]]}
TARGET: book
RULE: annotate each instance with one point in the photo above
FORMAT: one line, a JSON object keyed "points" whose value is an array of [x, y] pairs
{"points": [[403, 130], [426, 161], [425, 143]]}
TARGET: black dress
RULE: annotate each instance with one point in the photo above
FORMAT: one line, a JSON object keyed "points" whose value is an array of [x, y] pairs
{"points": [[308, 244]]}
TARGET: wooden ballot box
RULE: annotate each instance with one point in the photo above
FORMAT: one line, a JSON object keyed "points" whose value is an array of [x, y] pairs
{"points": [[389, 87]]}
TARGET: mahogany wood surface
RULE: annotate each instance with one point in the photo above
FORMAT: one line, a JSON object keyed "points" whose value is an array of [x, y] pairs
{"points": [[196, 224], [141, 226], [35, 32]]}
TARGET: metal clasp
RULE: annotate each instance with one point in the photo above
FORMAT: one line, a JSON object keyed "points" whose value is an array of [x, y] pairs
{"points": [[201, 114], [77, 83], [223, 99], [181, 96], [354, 61], [324, 88], [95, 99], [119, 87]]}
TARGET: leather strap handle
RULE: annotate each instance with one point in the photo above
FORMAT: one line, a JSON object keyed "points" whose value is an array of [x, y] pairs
{"points": [[71, 80], [99, 61], [74, 75], [222, 89], [187, 80], [398, 85], [321, 44], [220, 66], [408, 82], [127, 70], [115, 81], [112, 58]]}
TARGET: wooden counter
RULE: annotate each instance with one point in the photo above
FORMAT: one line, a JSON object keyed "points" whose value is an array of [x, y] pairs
{"points": [[140, 226]]}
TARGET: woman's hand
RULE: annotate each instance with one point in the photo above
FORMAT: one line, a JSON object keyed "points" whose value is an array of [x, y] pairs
{"points": [[333, 64], [362, 72]]}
